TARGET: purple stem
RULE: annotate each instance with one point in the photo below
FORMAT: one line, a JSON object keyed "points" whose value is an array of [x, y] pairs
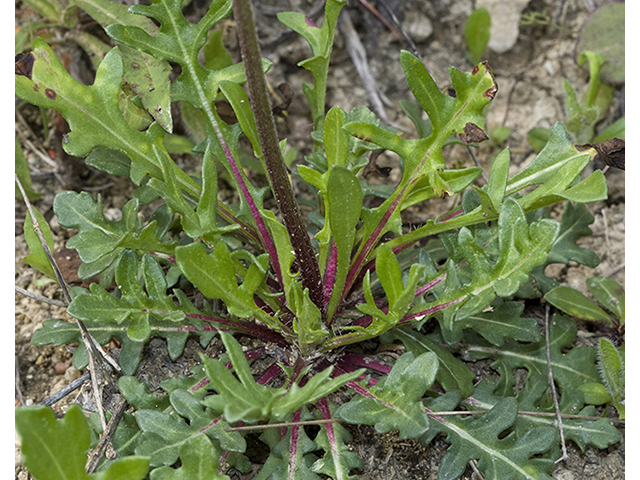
{"points": [[274, 162], [271, 372], [205, 428], [293, 452], [451, 215], [323, 406], [330, 273], [356, 387], [266, 239], [372, 241], [199, 385], [253, 329], [366, 361], [246, 230], [430, 311], [428, 286]]}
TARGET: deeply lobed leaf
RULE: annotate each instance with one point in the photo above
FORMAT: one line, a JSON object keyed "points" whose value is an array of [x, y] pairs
{"points": [[394, 402]]}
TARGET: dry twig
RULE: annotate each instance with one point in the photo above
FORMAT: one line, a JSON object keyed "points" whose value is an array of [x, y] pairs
{"points": [[89, 341], [553, 387], [359, 58], [105, 439]]}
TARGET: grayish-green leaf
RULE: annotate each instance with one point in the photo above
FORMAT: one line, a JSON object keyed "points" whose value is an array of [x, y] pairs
{"points": [[576, 304], [394, 402]]}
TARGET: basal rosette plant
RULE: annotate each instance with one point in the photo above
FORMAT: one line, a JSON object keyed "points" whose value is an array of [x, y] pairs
{"points": [[308, 291]]}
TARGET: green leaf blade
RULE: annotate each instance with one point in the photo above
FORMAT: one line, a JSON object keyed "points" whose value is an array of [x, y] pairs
{"points": [[477, 33], [393, 403], [43, 453], [575, 304]]}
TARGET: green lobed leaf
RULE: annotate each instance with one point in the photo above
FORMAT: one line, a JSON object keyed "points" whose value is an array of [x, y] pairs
{"points": [[473, 92], [559, 161], [609, 293], [135, 392], [452, 373], [535, 397], [337, 460], [149, 80], [394, 402], [199, 459], [570, 370], [320, 40], [481, 438], [503, 323], [422, 158], [521, 247], [134, 305], [107, 12], [166, 431], [315, 388], [43, 453], [241, 398], [59, 332], [180, 41], [92, 112], [48, 458], [100, 241], [214, 275]]}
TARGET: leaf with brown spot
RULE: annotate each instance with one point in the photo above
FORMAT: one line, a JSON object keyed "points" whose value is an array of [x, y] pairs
{"points": [[149, 80], [24, 64], [473, 134]]}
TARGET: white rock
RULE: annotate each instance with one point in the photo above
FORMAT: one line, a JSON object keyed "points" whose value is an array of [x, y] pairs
{"points": [[418, 26], [505, 22]]}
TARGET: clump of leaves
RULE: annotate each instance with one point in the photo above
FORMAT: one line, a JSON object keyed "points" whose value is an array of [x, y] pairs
{"points": [[583, 115], [308, 294], [609, 294]]}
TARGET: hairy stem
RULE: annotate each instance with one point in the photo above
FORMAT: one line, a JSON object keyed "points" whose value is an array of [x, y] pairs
{"points": [[276, 168]]}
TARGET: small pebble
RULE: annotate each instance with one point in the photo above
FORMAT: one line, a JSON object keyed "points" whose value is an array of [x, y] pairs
{"points": [[61, 367], [72, 373]]}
